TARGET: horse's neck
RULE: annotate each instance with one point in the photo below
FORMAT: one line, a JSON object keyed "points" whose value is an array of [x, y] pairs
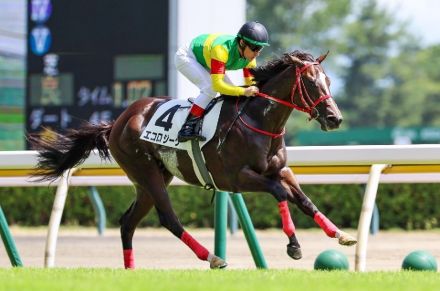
{"points": [[270, 115], [267, 115]]}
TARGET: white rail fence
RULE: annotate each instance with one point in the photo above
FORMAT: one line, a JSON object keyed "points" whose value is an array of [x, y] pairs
{"points": [[368, 165]]}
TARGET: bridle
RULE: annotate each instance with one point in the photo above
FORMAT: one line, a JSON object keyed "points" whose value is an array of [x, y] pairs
{"points": [[303, 94], [309, 106]]}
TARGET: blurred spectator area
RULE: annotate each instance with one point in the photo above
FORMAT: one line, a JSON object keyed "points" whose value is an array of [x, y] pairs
{"points": [[12, 73]]}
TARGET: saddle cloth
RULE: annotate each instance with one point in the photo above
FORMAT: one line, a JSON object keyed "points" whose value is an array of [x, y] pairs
{"points": [[168, 119]]}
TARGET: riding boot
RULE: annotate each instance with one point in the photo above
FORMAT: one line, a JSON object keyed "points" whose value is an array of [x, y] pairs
{"points": [[190, 129]]}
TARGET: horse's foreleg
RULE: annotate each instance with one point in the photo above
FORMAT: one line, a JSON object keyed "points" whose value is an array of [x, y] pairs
{"points": [[129, 220], [249, 179], [293, 248], [306, 205]]}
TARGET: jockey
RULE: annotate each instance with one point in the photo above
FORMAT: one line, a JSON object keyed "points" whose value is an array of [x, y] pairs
{"points": [[205, 61]]}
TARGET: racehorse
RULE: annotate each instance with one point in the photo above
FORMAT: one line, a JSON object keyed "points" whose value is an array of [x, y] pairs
{"points": [[251, 156]]}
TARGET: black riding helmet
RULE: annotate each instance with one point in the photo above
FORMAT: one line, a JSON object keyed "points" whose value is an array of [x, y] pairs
{"points": [[254, 33]]}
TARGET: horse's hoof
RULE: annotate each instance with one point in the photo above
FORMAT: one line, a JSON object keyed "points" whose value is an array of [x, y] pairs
{"points": [[217, 263], [346, 239], [294, 252]]}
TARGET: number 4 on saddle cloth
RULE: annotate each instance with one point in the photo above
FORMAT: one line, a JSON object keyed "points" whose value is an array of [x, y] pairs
{"points": [[169, 117]]}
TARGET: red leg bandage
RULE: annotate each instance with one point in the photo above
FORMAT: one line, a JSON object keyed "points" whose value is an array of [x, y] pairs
{"points": [[197, 110], [288, 226], [201, 252], [129, 259], [329, 228]]}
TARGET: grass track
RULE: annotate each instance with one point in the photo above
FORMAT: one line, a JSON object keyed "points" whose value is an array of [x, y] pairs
{"points": [[36, 279]]}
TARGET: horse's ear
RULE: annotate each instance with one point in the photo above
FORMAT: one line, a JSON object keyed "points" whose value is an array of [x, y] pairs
{"points": [[297, 61], [321, 58]]}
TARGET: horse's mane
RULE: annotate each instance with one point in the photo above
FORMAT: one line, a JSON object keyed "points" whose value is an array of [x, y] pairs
{"points": [[268, 70]]}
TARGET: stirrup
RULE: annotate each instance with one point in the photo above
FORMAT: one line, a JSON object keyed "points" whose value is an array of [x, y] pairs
{"points": [[190, 130]]}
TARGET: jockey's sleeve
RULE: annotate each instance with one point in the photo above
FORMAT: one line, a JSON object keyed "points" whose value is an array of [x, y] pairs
{"points": [[248, 77], [219, 57]]}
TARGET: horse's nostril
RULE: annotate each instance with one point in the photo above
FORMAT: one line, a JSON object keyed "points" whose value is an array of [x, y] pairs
{"points": [[339, 120], [335, 120]]}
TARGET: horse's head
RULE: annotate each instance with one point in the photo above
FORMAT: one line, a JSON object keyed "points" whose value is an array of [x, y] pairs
{"points": [[311, 91], [299, 77]]}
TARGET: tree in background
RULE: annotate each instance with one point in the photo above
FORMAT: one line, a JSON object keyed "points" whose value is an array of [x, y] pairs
{"points": [[311, 25], [368, 44], [383, 76], [413, 89]]}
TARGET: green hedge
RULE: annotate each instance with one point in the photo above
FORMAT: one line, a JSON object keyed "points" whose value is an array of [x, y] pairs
{"points": [[405, 206]]}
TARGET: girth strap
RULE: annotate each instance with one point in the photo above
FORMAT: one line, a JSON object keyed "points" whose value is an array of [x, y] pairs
{"points": [[200, 165]]}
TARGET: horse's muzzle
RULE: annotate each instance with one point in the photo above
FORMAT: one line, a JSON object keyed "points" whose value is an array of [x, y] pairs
{"points": [[331, 122]]}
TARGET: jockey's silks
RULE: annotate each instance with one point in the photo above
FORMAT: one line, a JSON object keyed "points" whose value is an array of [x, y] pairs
{"points": [[219, 53]]}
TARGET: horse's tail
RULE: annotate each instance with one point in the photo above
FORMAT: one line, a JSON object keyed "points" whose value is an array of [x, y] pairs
{"points": [[56, 155]]}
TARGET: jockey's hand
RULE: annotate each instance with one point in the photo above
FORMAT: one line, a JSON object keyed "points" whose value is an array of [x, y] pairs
{"points": [[251, 91]]}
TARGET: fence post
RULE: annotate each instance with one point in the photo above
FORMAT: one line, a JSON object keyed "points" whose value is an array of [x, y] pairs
{"points": [[366, 214], [8, 241], [55, 218], [375, 220], [232, 217], [98, 206], [248, 229], [220, 223]]}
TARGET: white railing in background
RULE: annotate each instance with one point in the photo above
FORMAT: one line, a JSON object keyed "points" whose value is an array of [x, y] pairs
{"points": [[313, 165]]}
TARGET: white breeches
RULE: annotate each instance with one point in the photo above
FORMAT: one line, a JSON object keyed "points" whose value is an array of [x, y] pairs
{"points": [[186, 63]]}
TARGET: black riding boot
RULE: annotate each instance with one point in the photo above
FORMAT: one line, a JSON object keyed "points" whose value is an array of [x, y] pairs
{"points": [[190, 129]]}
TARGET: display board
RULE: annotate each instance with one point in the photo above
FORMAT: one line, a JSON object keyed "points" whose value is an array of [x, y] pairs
{"points": [[88, 60]]}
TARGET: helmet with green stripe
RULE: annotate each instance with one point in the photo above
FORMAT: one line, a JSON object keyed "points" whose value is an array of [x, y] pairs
{"points": [[254, 33]]}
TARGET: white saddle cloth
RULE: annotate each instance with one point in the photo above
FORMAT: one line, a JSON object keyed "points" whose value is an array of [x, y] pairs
{"points": [[168, 120]]}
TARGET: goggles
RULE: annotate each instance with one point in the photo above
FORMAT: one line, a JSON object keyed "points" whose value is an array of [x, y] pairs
{"points": [[253, 47]]}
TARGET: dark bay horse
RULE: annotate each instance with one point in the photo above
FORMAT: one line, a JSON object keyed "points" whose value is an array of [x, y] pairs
{"points": [[251, 159]]}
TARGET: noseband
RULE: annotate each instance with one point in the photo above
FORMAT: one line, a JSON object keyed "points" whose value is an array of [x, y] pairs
{"points": [[304, 97]]}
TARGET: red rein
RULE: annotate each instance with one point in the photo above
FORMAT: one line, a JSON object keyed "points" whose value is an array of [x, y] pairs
{"points": [[303, 94]]}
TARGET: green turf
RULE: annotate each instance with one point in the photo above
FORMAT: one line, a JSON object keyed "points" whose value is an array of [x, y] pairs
{"points": [[36, 279]]}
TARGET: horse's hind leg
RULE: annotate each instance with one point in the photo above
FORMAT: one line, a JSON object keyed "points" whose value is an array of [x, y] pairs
{"points": [[169, 220], [153, 180], [129, 220], [306, 205]]}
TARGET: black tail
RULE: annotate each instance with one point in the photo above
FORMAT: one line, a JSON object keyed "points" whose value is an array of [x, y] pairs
{"points": [[55, 156]]}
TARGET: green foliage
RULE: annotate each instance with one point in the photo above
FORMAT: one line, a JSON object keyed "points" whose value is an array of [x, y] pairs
{"points": [[384, 77], [409, 206], [306, 24], [405, 206], [27, 206], [414, 85], [368, 43]]}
